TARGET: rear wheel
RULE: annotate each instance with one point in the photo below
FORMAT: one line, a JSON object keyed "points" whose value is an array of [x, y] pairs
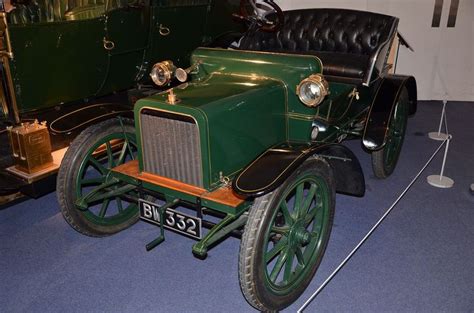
{"points": [[385, 159], [85, 166], [286, 236]]}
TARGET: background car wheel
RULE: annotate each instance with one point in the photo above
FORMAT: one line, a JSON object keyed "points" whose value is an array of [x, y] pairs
{"points": [[85, 166], [285, 237], [385, 159]]}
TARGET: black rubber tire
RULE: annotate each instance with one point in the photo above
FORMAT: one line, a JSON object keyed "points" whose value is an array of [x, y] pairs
{"points": [[250, 274], [68, 171], [379, 164]]}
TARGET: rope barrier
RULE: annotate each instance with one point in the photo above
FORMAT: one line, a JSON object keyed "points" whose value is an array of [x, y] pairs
{"points": [[341, 265]]}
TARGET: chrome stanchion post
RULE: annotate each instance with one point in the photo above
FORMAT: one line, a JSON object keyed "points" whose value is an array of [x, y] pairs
{"points": [[440, 180], [439, 135]]}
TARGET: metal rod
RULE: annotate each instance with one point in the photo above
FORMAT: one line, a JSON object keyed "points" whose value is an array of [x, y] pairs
{"points": [[234, 233], [444, 158], [334, 157], [127, 142], [151, 245], [200, 248], [369, 233], [446, 122], [442, 116], [109, 194], [227, 229], [83, 202], [11, 90]]}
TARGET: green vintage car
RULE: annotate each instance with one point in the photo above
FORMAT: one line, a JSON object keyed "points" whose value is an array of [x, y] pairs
{"points": [[75, 63], [251, 137]]}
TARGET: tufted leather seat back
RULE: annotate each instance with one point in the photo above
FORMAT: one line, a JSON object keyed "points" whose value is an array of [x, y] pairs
{"points": [[358, 34], [327, 30]]}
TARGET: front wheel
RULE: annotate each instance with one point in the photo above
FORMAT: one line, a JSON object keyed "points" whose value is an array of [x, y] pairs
{"points": [[85, 166], [285, 237]]}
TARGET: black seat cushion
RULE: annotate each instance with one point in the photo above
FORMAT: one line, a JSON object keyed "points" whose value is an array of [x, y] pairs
{"points": [[343, 64], [344, 40]]}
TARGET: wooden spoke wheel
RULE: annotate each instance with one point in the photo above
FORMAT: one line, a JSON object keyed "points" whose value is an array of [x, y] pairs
{"points": [[286, 236], [85, 166]]}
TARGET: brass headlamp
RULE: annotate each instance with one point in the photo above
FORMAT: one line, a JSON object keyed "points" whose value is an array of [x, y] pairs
{"points": [[162, 72], [313, 90]]}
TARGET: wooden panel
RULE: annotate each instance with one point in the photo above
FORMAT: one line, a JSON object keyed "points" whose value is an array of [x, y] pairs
{"points": [[224, 195], [131, 169]]}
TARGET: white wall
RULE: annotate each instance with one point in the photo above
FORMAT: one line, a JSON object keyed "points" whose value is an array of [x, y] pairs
{"points": [[443, 61]]}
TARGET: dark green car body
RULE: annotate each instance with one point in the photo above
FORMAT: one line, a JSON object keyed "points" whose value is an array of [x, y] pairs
{"points": [[249, 144], [244, 104]]}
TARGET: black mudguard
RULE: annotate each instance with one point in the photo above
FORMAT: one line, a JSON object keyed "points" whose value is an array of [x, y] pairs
{"points": [[275, 165], [87, 115], [385, 99]]}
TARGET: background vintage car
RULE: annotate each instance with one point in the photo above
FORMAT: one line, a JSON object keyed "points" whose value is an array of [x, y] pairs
{"points": [[71, 63], [249, 143]]}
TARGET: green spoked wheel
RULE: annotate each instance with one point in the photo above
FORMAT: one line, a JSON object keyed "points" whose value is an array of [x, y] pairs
{"points": [[286, 236], [385, 159], [85, 166]]}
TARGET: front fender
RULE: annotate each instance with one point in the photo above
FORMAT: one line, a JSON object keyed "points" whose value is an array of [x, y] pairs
{"points": [[385, 99], [87, 115], [276, 164]]}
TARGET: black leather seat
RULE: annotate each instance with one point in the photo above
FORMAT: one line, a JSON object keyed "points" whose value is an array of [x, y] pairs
{"points": [[352, 45], [344, 64]]}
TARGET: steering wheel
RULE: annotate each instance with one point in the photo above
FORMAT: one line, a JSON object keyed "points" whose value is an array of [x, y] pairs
{"points": [[265, 15]]}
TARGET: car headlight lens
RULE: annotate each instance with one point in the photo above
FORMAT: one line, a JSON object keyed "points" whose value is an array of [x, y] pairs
{"points": [[181, 75], [312, 90], [162, 72]]}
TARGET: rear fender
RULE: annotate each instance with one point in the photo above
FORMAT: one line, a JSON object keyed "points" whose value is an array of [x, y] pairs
{"points": [[375, 133], [275, 165]]}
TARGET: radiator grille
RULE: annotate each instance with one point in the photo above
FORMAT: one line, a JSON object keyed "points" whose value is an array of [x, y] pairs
{"points": [[171, 147]]}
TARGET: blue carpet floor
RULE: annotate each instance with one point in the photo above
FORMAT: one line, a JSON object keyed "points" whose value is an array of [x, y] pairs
{"points": [[421, 259]]}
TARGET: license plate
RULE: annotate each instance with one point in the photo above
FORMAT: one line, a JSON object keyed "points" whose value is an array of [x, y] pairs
{"points": [[174, 220]]}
